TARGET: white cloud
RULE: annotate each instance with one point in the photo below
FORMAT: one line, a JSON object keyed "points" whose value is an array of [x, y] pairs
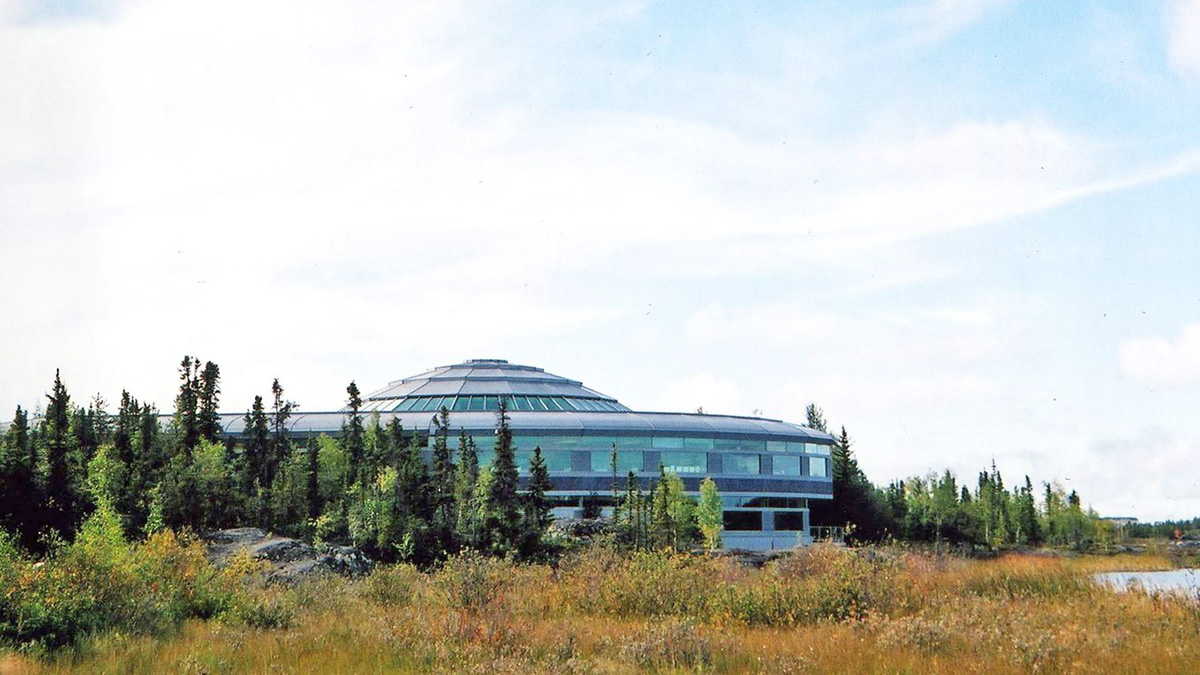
{"points": [[1163, 362], [1152, 487], [934, 21], [1183, 36]]}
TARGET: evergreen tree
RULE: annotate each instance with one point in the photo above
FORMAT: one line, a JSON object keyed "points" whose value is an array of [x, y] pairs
{"points": [[503, 505], [631, 516], [125, 428], [710, 514], [352, 435], [443, 481], [464, 489], [208, 394], [537, 507], [1027, 519], [19, 512], [662, 525], [256, 450], [281, 447], [313, 482], [61, 496], [378, 450], [187, 428], [816, 418]]}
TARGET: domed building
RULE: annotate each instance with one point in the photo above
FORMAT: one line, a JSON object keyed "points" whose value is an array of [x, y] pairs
{"points": [[766, 470]]}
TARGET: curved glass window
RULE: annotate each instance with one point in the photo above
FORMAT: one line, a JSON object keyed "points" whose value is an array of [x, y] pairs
{"points": [[627, 460], [492, 403], [741, 463], [787, 465], [818, 466], [684, 462]]}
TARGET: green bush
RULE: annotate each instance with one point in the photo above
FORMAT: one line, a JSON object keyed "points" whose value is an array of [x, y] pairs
{"points": [[101, 582]]}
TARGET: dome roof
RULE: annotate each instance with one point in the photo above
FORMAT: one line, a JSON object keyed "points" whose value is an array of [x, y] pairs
{"points": [[479, 384]]}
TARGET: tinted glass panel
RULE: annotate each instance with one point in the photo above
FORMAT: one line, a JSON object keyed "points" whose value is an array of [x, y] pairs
{"points": [[406, 404], [600, 442], [523, 458], [461, 403], [779, 446], [795, 447], [667, 443], [789, 521], [486, 457], [698, 444], [817, 449], [634, 443], [740, 463], [817, 467], [557, 461], [519, 403], [685, 462], [627, 460], [743, 520], [491, 403], [786, 465], [476, 403]]}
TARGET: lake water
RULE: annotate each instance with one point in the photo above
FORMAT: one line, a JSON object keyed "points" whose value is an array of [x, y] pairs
{"points": [[1185, 581]]}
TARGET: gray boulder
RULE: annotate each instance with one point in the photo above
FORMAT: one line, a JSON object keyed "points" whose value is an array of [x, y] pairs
{"points": [[290, 560]]}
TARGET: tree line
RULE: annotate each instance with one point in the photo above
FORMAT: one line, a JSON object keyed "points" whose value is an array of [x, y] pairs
{"points": [[937, 508], [370, 487]]}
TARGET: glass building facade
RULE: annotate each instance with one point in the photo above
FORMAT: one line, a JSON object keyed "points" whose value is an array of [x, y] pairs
{"points": [[767, 470]]}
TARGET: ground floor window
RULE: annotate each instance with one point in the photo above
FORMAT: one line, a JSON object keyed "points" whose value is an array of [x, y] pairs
{"points": [[789, 521], [743, 521]]}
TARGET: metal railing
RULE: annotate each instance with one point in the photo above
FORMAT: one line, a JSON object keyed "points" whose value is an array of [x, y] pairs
{"points": [[831, 533]]}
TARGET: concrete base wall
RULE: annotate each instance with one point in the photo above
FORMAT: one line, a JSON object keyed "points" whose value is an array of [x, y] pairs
{"points": [[764, 541]]}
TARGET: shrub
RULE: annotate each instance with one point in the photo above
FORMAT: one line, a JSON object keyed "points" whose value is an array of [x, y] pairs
{"points": [[392, 585], [471, 581], [101, 582]]}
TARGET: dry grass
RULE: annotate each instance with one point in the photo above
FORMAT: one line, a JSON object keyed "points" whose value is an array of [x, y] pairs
{"points": [[820, 610]]}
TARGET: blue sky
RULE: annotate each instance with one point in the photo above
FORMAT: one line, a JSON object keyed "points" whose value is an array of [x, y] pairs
{"points": [[966, 229]]}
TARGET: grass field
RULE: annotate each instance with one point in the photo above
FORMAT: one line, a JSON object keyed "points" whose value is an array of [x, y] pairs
{"points": [[821, 609]]}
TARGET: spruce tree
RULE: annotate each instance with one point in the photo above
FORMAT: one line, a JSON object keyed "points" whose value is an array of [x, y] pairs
{"points": [[313, 485], [280, 447], [444, 512], [502, 525], [464, 489], [537, 507], [61, 497], [352, 435], [256, 448], [187, 429], [19, 512], [663, 528], [208, 394], [816, 418]]}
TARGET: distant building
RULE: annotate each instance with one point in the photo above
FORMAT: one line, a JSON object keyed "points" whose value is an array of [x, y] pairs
{"points": [[1121, 521], [766, 470]]}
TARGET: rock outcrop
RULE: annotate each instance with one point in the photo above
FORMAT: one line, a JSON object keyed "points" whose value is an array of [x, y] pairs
{"points": [[289, 560]]}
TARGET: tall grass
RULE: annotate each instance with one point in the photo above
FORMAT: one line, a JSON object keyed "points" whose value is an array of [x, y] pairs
{"points": [[819, 609]]}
